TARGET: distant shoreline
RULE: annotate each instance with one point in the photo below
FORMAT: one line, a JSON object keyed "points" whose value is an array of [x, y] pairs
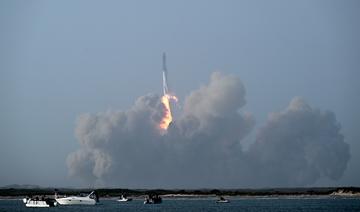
{"points": [[209, 197], [111, 193]]}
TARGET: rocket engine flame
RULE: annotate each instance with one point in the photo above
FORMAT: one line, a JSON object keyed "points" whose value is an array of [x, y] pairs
{"points": [[167, 116]]}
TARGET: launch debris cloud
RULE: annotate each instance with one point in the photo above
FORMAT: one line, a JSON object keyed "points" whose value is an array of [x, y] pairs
{"points": [[203, 146]]}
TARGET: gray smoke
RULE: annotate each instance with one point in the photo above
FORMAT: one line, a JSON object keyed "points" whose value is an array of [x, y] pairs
{"points": [[298, 146], [202, 147]]}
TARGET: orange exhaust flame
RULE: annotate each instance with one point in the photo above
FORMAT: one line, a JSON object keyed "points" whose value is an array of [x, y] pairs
{"points": [[167, 116]]}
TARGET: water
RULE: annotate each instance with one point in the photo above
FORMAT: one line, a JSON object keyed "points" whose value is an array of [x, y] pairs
{"points": [[244, 205]]}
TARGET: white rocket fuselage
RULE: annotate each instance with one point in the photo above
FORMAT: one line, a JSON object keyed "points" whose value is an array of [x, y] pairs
{"points": [[165, 84], [165, 88]]}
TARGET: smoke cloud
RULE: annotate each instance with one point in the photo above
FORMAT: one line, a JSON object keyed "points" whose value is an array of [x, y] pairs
{"points": [[203, 146], [298, 146]]}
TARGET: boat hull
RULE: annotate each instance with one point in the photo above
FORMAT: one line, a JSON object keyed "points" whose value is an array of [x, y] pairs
{"points": [[39, 204], [222, 201], [75, 201], [126, 200]]}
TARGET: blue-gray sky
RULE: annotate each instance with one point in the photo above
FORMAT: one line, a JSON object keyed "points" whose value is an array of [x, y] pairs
{"points": [[59, 59]]}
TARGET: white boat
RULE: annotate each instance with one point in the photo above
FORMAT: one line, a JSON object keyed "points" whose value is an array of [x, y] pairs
{"points": [[222, 200], [124, 199], [36, 203], [90, 199]]}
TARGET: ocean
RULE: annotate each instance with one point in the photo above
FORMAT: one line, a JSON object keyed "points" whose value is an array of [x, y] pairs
{"points": [[236, 204]]}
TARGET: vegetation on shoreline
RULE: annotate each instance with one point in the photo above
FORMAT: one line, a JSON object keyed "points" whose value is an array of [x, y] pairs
{"points": [[116, 192]]}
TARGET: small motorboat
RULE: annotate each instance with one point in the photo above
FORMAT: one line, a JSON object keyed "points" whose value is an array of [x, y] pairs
{"points": [[153, 199], [222, 200], [123, 198], [39, 203]]}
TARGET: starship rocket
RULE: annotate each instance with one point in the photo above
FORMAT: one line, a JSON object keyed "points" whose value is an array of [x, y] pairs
{"points": [[164, 72]]}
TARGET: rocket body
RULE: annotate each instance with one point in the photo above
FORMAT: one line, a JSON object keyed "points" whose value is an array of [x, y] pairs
{"points": [[164, 72], [165, 87]]}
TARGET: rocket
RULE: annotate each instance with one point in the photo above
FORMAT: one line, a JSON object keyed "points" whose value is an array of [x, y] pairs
{"points": [[164, 73], [166, 99]]}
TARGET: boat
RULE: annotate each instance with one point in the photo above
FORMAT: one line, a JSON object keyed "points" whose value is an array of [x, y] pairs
{"points": [[222, 200], [39, 203], [123, 198], [90, 199], [152, 199], [345, 193]]}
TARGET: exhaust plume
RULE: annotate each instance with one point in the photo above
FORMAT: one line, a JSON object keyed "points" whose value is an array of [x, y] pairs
{"points": [[203, 146], [167, 115]]}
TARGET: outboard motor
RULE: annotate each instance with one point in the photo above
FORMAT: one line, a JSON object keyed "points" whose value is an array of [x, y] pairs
{"points": [[94, 195], [56, 194]]}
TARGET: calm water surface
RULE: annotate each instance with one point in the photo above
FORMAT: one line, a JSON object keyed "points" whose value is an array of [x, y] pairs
{"points": [[250, 205]]}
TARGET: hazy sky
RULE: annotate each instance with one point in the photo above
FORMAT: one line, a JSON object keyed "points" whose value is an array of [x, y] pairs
{"points": [[60, 59]]}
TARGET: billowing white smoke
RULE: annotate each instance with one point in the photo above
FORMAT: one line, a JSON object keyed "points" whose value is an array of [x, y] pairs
{"points": [[202, 147]]}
